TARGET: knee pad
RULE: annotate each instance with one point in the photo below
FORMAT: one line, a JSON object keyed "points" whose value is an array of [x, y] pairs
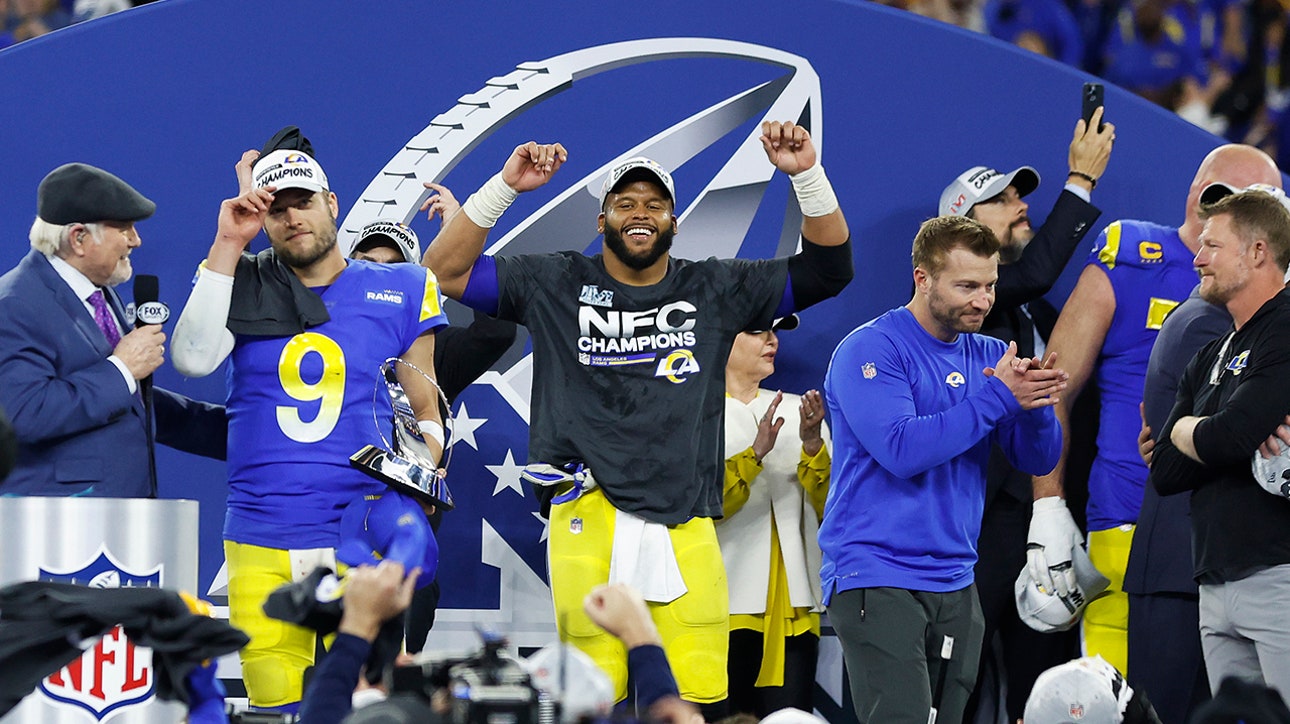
{"points": [[272, 678]]}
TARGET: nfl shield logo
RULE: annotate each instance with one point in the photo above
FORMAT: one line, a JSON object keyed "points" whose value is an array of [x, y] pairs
{"points": [[113, 673], [1077, 711], [869, 370], [575, 526]]}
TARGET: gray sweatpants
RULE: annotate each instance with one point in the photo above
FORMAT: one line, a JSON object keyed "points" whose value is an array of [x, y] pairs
{"points": [[1244, 631], [893, 641]]}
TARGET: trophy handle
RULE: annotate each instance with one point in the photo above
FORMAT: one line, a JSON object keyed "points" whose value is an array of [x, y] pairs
{"points": [[406, 464]]}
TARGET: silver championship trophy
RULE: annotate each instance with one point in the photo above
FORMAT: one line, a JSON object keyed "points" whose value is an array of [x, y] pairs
{"points": [[406, 463]]}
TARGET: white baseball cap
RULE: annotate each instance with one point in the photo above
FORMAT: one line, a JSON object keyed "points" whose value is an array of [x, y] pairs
{"points": [[1083, 691], [982, 182], [646, 166], [288, 169], [1045, 611], [391, 232]]}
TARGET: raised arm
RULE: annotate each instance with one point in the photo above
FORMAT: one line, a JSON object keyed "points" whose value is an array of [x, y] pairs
{"points": [[824, 266], [790, 148], [1070, 220], [452, 254], [201, 340]]}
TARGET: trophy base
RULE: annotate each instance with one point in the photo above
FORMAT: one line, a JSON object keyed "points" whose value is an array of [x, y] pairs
{"points": [[403, 476]]}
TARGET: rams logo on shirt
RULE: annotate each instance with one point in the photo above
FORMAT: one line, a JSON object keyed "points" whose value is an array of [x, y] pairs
{"points": [[954, 379], [1239, 362], [389, 296], [679, 362]]}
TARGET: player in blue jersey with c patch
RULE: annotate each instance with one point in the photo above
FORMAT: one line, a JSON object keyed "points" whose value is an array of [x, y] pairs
{"points": [[306, 332], [1137, 273]]}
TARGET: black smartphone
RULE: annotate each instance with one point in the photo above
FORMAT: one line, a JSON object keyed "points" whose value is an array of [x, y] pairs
{"points": [[1092, 98]]}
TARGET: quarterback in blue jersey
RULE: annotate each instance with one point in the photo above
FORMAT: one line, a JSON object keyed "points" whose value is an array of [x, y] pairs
{"points": [[1136, 274], [917, 400], [306, 333]]}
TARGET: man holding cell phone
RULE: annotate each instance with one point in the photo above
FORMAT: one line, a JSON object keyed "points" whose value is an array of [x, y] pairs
{"points": [[1135, 275], [1020, 314]]}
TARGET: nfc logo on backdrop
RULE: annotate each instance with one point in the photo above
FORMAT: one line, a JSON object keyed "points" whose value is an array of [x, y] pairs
{"points": [[721, 212], [113, 673]]}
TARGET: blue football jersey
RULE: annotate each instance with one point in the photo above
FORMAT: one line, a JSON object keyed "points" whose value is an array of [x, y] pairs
{"points": [[299, 406], [1151, 272]]}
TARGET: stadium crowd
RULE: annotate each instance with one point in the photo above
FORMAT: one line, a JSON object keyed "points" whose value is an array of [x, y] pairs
{"points": [[26, 19], [1221, 64]]}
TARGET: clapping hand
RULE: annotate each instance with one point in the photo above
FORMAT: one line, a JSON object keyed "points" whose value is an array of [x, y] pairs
{"points": [[812, 419], [768, 429]]}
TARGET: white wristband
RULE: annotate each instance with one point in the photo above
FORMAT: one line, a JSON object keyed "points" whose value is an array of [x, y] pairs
{"points": [[814, 192], [431, 430], [486, 206]]}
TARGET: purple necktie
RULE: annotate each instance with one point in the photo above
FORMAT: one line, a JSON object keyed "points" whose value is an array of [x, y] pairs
{"points": [[103, 318]]}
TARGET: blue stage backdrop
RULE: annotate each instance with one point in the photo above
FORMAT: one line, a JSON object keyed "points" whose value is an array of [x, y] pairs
{"points": [[396, 92]]}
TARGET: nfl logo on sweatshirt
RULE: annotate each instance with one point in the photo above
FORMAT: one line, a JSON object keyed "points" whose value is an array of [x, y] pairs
{"points": [[113, 673]]}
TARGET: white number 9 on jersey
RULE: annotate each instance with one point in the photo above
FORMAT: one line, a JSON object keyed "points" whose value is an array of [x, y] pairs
{"points": [[329, 389]]}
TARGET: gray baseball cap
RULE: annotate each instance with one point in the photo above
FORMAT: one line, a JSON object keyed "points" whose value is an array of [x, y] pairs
{"points": [[982, 182]]}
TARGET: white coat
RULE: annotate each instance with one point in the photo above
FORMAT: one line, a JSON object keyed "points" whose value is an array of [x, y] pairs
{"points": [[745, 536]]}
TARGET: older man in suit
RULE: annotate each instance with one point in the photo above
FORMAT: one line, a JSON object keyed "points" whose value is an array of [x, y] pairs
{"points": [[71, 369]]}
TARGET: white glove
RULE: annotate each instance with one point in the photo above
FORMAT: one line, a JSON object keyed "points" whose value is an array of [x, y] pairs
{"points": [[1052, 537]]}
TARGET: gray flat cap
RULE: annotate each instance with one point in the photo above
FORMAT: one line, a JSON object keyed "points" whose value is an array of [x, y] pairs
{"points": [[79, 193]]}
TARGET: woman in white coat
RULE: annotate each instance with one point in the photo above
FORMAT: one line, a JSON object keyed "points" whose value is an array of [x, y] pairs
{"points": [[777, 477]]}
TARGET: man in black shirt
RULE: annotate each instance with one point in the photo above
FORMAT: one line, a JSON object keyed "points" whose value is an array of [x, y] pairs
{"points": [[629, 353], [1231, 398]]}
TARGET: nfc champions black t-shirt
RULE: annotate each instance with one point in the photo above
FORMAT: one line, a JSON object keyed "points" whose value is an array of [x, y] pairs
{"points": [[631, 380]]}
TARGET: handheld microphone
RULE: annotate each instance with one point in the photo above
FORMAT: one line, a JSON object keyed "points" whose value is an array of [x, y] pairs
{"points": [[147, 307]]}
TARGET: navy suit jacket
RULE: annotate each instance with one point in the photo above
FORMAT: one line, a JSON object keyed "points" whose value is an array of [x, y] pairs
{"points": [[79, 429], [1160, 559], [1026, 281]]}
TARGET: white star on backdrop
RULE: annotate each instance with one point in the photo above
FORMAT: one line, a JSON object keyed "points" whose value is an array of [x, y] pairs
{"points": [[507, 474], [546, 526], [464, 427]]}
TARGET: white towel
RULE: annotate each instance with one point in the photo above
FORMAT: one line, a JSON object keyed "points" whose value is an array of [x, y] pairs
{"points": [[643, 558]]}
